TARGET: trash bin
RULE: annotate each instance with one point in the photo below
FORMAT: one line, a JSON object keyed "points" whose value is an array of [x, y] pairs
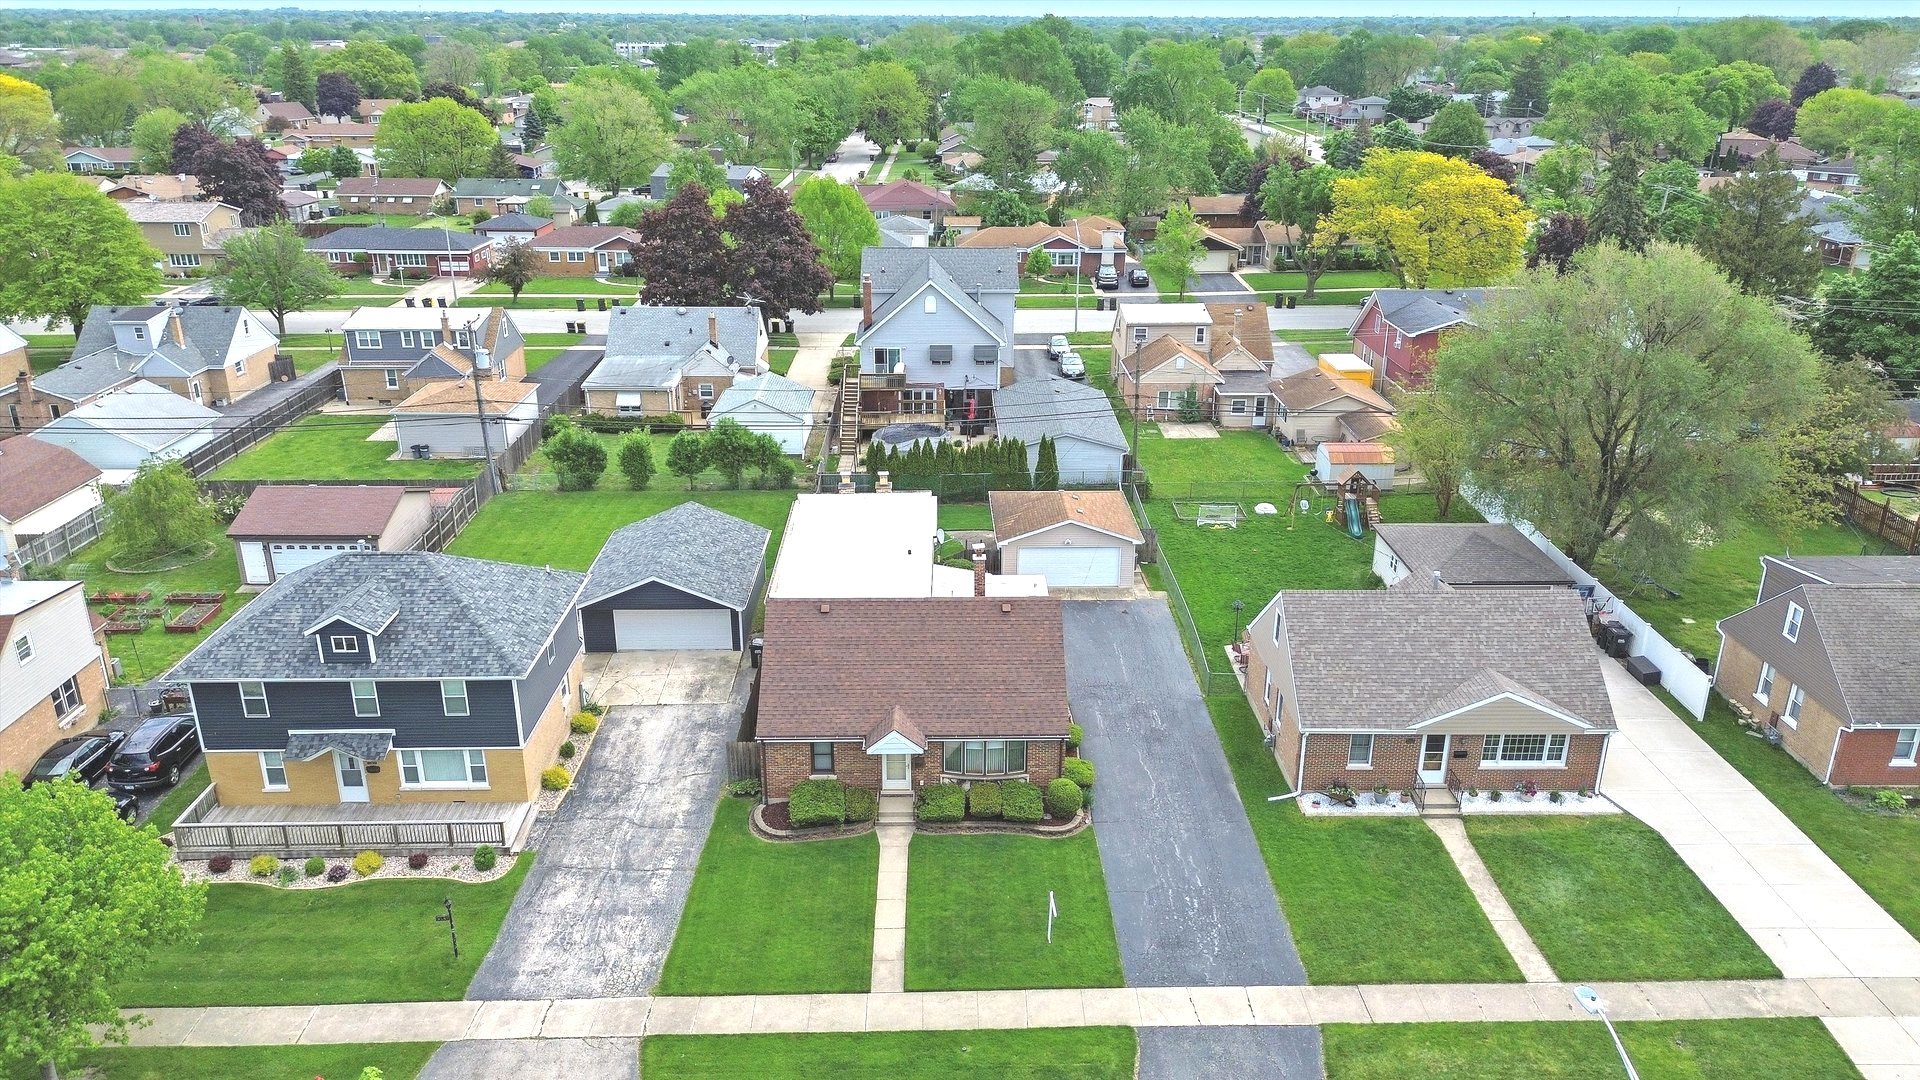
{"points": [[579, 304], [603, 305], [1293, 302], [422, 451]]}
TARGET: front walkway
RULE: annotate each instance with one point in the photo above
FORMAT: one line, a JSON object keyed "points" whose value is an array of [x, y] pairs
{"points": [[890, 905], [1506, 925]]}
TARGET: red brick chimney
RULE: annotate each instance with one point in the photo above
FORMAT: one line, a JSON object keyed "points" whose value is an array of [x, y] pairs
{"points": [[174, 328], [713, 327], [866, 301], [979, 569]]}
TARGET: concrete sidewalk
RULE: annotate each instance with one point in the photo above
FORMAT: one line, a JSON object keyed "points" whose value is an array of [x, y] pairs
{"points": [[1863, 1013]]}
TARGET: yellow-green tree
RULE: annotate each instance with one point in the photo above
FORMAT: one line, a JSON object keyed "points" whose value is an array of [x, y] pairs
{"points": [[1434, 220]]}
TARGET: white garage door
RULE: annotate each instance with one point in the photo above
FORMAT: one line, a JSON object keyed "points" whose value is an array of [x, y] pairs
{"points": [[290, 557], [1215, 262], [1070, 567], [701, 628]]}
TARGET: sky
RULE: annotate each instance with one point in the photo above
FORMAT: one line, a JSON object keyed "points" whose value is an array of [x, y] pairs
{"points": [[1250, 9]]}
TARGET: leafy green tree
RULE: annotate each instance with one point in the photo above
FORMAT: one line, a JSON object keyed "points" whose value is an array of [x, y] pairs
{"points": [[627, 215], [1834, 121], [839, 221], [1889, 157], [153, 138], [1088, 167], [729, 450], [28, 129], [159, 513], [1559, 180], [379, 70], [515, 265], [612, 136], [578, 457], [1435, 220], [1046, 466], [1164, 160], [1012, 123], [776, 469], [636, 460], [1300, 198], [97, 110], [1619, 214], [86, 900], [1175, 249], [1613, 101], [892, 105], [1670, 190], [65, 247], [1271, 91], [1435, 443], [437, 138], [1624, 405], [1872, 315], [342, 162], [297, 79], [1457, 130], [687, 456], [1754, 232], [1038, 264], [270, 268]]}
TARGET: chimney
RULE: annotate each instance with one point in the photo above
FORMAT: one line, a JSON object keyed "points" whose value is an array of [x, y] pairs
{"points": [[713, 327], [446, 327], [866, 301], [23, 387], [178, 332], [846, 482], [881, 482], [979, 569]]}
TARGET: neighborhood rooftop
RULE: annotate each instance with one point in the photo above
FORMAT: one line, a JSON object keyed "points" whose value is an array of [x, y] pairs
{"points": [[306, 510], [691, 547], [1471, 554]]}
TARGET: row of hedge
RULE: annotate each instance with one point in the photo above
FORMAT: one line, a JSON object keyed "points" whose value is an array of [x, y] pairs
{"points": [[820, 803], [1018, 801]]}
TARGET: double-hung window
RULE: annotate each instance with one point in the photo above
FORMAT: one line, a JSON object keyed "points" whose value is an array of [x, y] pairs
{"points": [[1906, 741], [576, 256], [1359, 751], [182, 228], [393, 378], [993, 757], [1796, 700], [66, 697], [553, 256], [1169, 399], [1791, 628], [1524, 750], [1237, 406], [366, 697], [463, 338], [366, 339], [1199, 335], [1763, 690], [273, 770], [443, 768], [453, 697], [406, 339], [253, 700], [822, 759]]}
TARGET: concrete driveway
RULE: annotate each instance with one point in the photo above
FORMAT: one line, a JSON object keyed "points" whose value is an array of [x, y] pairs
{"points": [[597, 914]]}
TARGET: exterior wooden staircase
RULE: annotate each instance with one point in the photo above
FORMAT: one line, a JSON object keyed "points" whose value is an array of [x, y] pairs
{"points": [[1373, 512], [849, 409]]}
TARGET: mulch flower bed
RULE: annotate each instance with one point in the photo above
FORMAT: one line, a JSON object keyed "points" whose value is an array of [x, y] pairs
{"points": [[551, 800], [770, 821], [448, 867], [1048, 827]]}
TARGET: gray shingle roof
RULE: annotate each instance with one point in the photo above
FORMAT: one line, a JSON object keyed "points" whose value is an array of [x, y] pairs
{"points": [[691, 547], [512, 223], [1858, 569], [387, 238], [1415, 311], [994, 269], [1472, 555], [639, 330], [489, 188], [456, 618], [1850, 628], [1389, 660], [776, 391], [98, 364], [935, 272], [1058, 407], [368, 605]]}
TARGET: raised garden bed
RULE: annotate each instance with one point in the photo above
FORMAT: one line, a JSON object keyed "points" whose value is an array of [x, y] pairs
{"points": [[193, 618], [103, 597], [112, 626], [215, 598]]}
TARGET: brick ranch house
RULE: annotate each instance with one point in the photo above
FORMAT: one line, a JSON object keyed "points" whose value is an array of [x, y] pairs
{"points": [[891, 695], [1080, 246], [1425, 687], [1817, 660], [417, 253]]}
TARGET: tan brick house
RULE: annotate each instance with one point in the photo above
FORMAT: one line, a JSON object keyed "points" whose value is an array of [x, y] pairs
{"points": [[1819, 662], [663, 361], [357, 136], [188, 235], [390, 354], [1079, 246], [894, 694], [390, 195], [583, 250], [53, 668], [1423, 687]]}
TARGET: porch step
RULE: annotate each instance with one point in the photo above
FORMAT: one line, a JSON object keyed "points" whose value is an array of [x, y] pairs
{"points": [[895, 810], [1440, 803]]}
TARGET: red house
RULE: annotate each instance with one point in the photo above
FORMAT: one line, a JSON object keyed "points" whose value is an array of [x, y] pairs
{"points": [[1398, 329]]}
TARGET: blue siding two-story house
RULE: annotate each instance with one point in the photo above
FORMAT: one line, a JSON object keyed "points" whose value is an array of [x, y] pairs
{"points": [[936, 332]]}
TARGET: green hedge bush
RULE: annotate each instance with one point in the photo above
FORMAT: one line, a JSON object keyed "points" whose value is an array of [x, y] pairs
{"points": [[367, 862], [1074, 734], [1078, 770], [1021, 802], [817, 802], [862, 805], [1064, 798], [555, 778], [264, 866], [484, 857], [584, 723], [316, 866], [941, 803], [983, 800]]}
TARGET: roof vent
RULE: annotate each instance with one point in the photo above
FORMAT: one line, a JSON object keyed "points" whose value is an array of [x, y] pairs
{"points": [[1006, 609], [825, 608]]}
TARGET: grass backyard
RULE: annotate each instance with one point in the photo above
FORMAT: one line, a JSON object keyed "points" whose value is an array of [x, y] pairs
{"points": [[1092, 1053], [1878, 849], [332, 446], [150, 652], [767, 918], [1676, 1050], [335, 1061], [372, 941], [566, 529], [1583, 886], [48, 351], [1294, 281], [780, 359], [563, 286], [538, 356], [615, 480], [977, 914], [175, 802], [972, 516], [1366, 898]]}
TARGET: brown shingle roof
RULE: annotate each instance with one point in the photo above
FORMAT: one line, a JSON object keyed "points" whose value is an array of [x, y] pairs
{"points": [[961, 667], [390, 185], [457, 395], [1017, 513], [1313, 388], [1166, 351], [34, 473], [904, 195], [316, 510], [1086, 232], [588, 237], [1244, 325]]}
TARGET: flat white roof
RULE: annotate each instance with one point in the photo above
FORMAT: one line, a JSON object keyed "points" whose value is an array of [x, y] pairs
{"points": [[19, 596], [857, 545], [1151, 314]]}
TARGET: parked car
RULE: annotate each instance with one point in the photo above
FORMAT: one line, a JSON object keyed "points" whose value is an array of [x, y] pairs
{"points": [[1107, 278], [1137, 277], [831, 158], [82, 757], [1072, 366], [1057, 347], [154, 754]]}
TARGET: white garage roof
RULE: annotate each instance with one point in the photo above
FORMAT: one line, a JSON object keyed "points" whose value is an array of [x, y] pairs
{"points": [[877, 544]]}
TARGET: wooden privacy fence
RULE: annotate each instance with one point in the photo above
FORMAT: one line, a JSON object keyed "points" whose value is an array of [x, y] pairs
{"points": [[49, 548], [230, 442], [743, 761], [1878, 518]]}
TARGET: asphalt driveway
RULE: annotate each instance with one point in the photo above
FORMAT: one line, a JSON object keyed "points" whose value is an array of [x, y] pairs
{"points": [[1192, 904], [597, 914], [1218, 288]]}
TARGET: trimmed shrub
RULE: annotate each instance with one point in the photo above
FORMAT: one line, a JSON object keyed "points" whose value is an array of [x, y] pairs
{"points": [[484, 857], [287, 876], [983, 800], [744, 789], [941, 803], [1074, 734], [585, 723], [1889, 799], [1021, 802], [1064, 798], [1078, 770], [367, 862], [219, 864], [817, 802], [417, 861], [316, 866], [337, 873], [555, 778], [862, 805], [263, 866], [567, 750]]}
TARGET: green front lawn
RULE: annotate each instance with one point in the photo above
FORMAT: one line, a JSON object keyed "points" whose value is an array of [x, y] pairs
{"points": [[150, 652], [1724, 577], [977, 914], [1295, 281], [563, 286], [372, 941], [538, 357], [1367, 898], [552, 339], [332, 1061], [175, 802], [1093, 1053], [970, 516], [775, 918], [307, 360], [1878, 849], [780, 360], [1798, 1047], [334, 446], [1586, 886], [566, 529]]}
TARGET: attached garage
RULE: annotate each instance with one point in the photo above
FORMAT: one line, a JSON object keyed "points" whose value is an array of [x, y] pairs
{"points": [[1075, 539], [686, 578]]}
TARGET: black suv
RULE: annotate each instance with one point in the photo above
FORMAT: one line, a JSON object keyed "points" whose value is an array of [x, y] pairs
{"points": [[154, 754], [82, 758]]}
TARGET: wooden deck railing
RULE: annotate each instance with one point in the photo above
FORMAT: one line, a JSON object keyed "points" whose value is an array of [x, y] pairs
{"points": [[194, 835]]}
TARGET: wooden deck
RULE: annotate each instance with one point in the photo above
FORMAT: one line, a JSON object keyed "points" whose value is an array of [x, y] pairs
{"points": [[362, 813], [208, 828]]}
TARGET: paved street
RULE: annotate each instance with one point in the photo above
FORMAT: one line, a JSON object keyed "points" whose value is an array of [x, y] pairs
{"points": [[857, 155]]}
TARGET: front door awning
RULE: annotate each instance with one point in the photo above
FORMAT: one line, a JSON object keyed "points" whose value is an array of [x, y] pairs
{"points": [[365, 745], [895, 735]]}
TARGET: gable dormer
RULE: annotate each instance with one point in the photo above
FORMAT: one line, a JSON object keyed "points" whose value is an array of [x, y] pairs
{"points": [[137, 330], [349, 632]]}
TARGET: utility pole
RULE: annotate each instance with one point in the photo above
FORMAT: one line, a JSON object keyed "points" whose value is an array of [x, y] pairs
{"points": [[482, 365]]}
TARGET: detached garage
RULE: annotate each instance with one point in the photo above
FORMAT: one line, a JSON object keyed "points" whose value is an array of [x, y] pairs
{"points": [[287, 527], [1075, 539], [685, 578]]}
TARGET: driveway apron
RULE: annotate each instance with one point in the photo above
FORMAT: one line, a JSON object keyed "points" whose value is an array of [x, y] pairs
{"points": [[598, 911], [1247, 1053]]}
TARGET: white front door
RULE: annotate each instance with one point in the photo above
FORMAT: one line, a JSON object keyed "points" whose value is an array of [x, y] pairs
{"points": [[353, 777], [896, 772], [1433, 759]]}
